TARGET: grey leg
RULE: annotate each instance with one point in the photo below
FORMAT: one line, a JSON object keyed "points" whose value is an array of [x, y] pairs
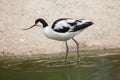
{"points": [[77, 50], [67, 50]]}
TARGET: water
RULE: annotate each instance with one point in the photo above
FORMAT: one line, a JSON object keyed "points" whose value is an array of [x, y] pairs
{"points": [[91, 68]]}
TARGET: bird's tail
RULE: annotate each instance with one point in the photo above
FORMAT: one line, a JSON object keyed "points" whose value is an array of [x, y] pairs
{"points": [[82, 24]]}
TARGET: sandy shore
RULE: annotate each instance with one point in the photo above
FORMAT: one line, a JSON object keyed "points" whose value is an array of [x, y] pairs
{"points": [[18, 14]]}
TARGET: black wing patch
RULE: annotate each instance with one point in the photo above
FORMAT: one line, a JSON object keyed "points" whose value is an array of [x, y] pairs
{"points": [[77, 28], [53, 26], [63, 30], [72, 24], [83, 26]]}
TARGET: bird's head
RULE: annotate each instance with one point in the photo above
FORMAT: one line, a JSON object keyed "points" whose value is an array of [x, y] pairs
{"points": [[38, 22]]}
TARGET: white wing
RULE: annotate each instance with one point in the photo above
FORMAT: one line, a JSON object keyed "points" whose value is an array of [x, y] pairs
{"points": [[70, 25], [63, 25]]}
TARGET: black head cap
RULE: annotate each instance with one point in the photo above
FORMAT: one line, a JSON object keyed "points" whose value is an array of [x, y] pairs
{"points": [[36, 22], [42, 21]]}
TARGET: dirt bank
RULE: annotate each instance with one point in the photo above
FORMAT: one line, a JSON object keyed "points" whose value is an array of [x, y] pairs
{"points": [[18, 14]]}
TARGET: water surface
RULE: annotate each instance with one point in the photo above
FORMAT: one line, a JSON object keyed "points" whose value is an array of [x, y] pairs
{"points": [[91, 68]]}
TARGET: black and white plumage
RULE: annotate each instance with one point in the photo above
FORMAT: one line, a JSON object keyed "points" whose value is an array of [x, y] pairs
{"points": [[63, 29]]}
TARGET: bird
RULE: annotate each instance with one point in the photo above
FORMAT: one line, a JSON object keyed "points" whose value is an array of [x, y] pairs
{"points": [[63, 29]]}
